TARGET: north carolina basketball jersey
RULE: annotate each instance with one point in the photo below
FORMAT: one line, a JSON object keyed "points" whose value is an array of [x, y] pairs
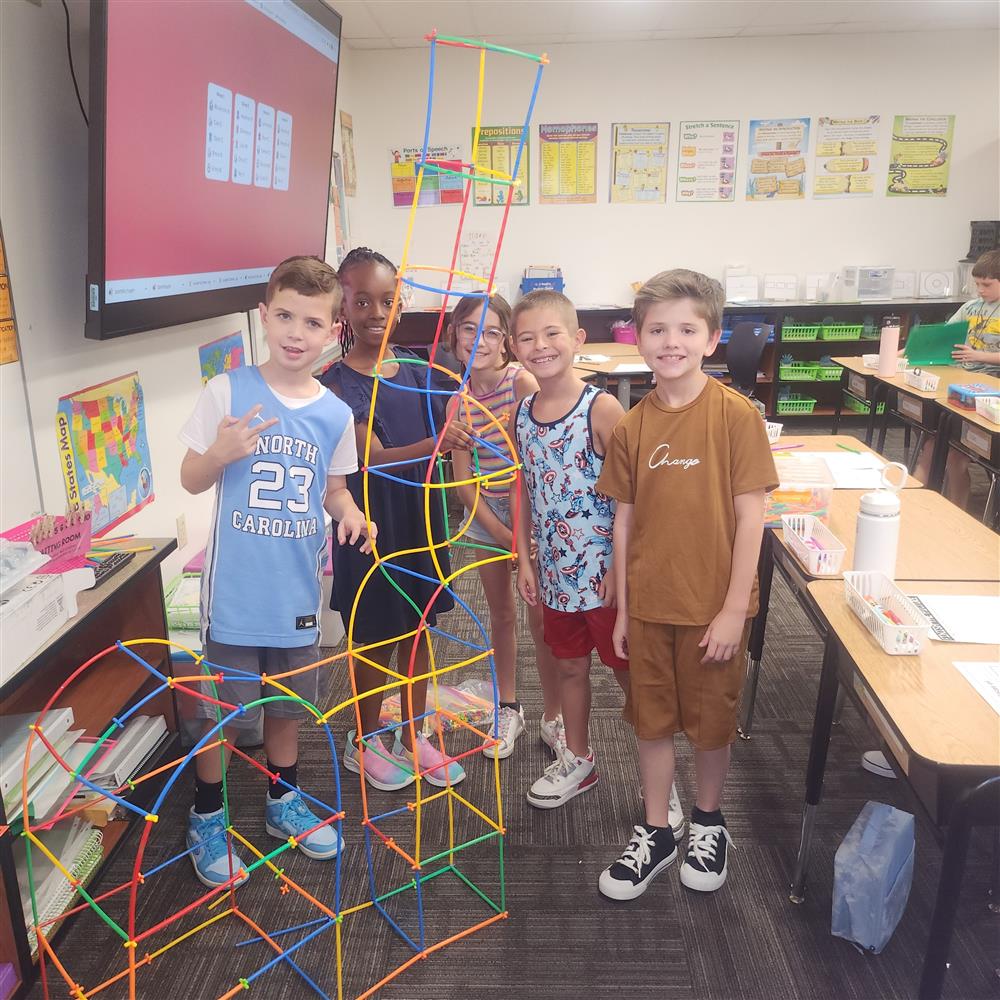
{"points": [[261, 585]]}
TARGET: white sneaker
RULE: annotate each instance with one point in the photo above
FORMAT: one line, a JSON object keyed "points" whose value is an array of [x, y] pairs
{"points": [[552, 732], [704, 867], [875, 762], [565, 778], [675, 814], [510, 725]]}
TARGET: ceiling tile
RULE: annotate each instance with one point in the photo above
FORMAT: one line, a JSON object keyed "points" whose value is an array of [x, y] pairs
{"points": [[681, 33], [600, 16], [523, 18], [358, 21], [686, 14], [403, 19], [754, 30], [368, 43]]}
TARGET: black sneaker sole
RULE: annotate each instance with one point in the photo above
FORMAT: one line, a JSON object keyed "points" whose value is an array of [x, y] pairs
{"points": [[624, 891]]}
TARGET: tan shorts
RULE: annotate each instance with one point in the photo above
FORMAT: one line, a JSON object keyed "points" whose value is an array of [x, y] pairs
{"points": [[672, 691]]}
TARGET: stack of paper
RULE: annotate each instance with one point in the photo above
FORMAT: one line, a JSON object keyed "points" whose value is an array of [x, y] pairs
{"points": [[138, 739], [14, 733], [77, 845]]}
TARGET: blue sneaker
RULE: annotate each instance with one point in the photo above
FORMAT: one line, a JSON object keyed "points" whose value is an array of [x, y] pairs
{"points": [[289, 816], [211, 856]]}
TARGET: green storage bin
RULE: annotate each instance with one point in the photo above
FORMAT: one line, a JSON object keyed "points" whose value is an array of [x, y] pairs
{"points": [[798, 371], [829, 373], [799, 332], [840, 331], [795, 404], [182, 601], [856, 406]]}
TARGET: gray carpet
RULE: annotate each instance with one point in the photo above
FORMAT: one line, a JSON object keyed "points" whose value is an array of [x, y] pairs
{"points": [[562, 940]]}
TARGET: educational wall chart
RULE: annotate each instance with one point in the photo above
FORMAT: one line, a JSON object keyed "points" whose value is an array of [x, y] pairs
{"points": [[222, 355], [435, 188], [104, 450], [777, 149], [846, 157], [497, 151], [706, 160], [639, 162], [567, 156], [8, 331], [347, 144], [920, 155], [338, 200]]}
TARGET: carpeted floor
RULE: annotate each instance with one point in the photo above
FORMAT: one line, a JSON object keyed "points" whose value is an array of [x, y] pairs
{"points": [[563, 941]]}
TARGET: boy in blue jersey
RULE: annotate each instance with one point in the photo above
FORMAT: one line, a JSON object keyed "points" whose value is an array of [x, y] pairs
{"points": [[277, 446]]}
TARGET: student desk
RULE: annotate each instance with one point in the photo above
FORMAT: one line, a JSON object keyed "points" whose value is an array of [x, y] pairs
{"points": [[944, 737], [617, 354], [937, 541], [859, 382]]}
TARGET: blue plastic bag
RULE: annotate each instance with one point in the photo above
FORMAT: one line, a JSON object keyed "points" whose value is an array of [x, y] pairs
{"points": [[872, 874]]}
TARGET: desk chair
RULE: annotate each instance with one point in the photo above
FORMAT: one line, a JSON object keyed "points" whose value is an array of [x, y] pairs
{"points": [[743, 353]]}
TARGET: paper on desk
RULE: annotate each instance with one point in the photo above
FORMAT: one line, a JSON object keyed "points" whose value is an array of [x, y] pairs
{"points": [[850, 471], [632, 368], [960, 617], [985, 678], [592, 359]]}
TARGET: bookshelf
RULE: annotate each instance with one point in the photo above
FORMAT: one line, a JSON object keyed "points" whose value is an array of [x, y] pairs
{"points": [[416, 331], [128, 605]]}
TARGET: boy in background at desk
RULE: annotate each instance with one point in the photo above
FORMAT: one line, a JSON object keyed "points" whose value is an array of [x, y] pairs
{"points": [[979, 353], [261, 592], [689, 467]]}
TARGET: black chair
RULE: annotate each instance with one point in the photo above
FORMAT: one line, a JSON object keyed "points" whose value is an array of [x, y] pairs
{"points": [[743, 352]]}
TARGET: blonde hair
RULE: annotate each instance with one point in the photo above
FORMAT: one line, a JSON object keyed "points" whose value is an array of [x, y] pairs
{"points": [[546, 298], [669, 286]]}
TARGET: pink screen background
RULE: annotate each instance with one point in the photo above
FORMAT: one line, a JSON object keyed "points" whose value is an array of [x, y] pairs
{"points": [[162, 216]]}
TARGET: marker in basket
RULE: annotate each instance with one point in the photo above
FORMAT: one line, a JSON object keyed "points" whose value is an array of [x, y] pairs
{"points": [[889, 616]]}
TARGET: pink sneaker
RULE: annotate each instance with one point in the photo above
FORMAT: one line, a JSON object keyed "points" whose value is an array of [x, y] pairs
{"points": [[430, 762], [381, 771]]}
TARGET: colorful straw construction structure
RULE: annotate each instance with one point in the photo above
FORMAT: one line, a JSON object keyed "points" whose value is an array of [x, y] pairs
{"points": [[414, 844]]}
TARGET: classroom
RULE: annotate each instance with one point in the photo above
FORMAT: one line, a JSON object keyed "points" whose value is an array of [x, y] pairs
{"points": [[642, 638]]}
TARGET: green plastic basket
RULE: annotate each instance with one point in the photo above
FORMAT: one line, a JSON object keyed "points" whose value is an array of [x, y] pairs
{"points": [[795, 404], [856, 406], [841, 331], [182, 602], [829, 373], [798, 371], [798, 332]]}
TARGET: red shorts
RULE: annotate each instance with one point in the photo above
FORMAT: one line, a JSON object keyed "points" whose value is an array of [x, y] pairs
{"points": [[571, 634]]}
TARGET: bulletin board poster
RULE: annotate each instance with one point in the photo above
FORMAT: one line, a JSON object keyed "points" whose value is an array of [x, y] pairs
{"points": [[567, 155], [8, 331], [104, 450], [706, 160], [347, 145], [846, 157], [338, 201], [223, 355], [435, 188], [496, 155], [777, 149], [639, 162], [920, 155]]}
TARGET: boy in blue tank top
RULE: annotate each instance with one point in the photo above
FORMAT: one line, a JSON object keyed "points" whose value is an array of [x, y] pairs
{"points": [[277, 446]]}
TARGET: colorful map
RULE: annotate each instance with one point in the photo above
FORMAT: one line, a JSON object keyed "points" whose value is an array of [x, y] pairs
{"points": [[222, 355], [104, 450]]}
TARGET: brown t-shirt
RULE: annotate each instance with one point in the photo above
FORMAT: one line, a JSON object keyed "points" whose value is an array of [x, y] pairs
{"points": [[681, 468]]}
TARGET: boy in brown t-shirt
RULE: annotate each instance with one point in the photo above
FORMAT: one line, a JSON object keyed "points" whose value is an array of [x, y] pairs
{"points": [[689, 467]]}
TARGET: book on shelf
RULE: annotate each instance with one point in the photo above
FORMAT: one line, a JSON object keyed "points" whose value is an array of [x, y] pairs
{"points": [[14, 733], [49, 781]]}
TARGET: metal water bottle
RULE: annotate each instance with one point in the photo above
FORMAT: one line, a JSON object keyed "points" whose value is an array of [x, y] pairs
{"points": [[877, 538]]}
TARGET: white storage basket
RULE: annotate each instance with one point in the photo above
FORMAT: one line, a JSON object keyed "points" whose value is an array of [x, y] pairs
{"points": [[814, 544], [871, 361], [924, 381], [773, 431], [989, 407], [905, 639]]}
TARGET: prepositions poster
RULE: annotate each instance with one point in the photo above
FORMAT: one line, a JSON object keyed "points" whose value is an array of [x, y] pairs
{"points": [[496, 156], [920, 155], [435, 188], [639, 163], [567, 155], [222, 355], [777, 149], [8, 331], [347, 145], [706, 160], [104, 450], [846, 157]]}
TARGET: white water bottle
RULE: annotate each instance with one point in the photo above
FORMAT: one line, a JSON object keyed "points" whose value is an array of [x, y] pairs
{"points": [[888, 347], [877, 538]]}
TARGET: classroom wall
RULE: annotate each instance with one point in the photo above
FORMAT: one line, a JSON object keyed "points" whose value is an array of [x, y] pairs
{"points": [[602, 248], [43, 205]]}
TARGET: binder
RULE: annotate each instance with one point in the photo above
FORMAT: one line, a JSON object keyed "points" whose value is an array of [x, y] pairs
{"points": [[932, 343], [14, 735]]}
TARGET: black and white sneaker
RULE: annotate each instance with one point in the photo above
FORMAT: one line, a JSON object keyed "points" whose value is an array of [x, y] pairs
{"points": [[704, 865], [649, 852]]}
